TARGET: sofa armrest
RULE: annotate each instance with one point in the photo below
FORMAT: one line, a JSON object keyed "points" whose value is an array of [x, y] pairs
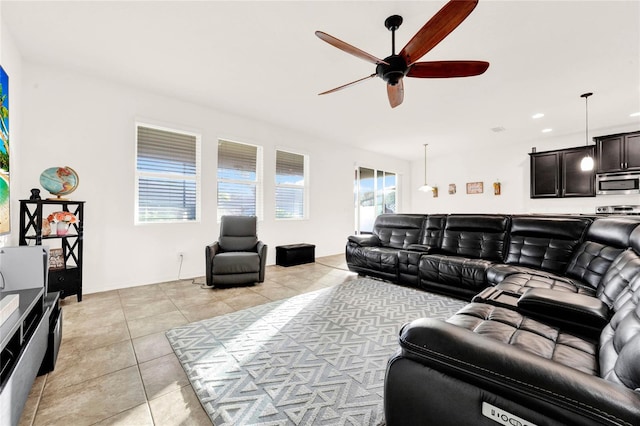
{"points": [[368, 240], [545, 386], [209, 252], [422, 248], [577, 311]]}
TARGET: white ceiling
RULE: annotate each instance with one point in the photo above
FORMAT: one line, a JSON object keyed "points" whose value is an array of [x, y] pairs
{"points": [[262, 60]]}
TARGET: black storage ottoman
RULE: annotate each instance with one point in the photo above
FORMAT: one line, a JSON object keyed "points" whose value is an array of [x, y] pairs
{"points": [[295, 254]]}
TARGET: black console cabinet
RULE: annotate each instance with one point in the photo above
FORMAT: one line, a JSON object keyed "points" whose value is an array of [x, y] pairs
{"points": [[68, 281]]}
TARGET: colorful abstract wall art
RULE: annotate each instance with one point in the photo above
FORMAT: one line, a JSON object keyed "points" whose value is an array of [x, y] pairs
{"points": [[5, 218]]}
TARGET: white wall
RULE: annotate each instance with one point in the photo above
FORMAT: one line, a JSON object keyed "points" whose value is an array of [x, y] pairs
{"points": [[88, 124], [508, 164]]}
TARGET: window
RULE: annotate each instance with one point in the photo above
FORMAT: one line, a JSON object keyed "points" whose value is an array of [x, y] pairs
{"points": [[239, 179], [290, 185], [375, 193], [167, 175]]}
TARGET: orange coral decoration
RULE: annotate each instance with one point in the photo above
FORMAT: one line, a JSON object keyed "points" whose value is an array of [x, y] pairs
{"points": [[62, 217]]}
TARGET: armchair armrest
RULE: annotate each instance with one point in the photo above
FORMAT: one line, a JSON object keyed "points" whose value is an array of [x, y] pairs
{"points": [[261, 248], [577, 311], [368, 240], [545, 386], [209, 252]]}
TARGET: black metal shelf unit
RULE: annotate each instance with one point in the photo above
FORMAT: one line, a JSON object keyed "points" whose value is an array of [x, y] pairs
{"points": [[68, 281]]}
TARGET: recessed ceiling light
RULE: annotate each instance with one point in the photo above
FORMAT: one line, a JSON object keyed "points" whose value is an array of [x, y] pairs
{"points": [[635, 114], [546, 130], [537, 115]]}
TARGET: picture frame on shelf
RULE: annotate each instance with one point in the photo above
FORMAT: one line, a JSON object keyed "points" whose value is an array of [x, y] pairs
{"points": [[56, 259]]}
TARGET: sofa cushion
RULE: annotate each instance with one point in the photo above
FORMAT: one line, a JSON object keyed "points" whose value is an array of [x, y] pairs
{"points": [[238, 262], [398, 231], [432, 229], [381, 259], [521, 282], [475, 236], [606, 238], [408, 264], [238, 233], [620, 346], [618, 277], [546, 243], [512, 328], [455, 271]]}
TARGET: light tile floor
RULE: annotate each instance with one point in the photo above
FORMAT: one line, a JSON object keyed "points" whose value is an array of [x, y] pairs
{"points": [[115, 365]]}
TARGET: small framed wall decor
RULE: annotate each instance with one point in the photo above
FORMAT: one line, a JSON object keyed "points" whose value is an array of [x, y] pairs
{"points": [[452, 188], [56, 259], [475, 187]]}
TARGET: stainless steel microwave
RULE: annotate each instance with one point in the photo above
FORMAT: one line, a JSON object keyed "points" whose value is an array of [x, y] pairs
{"points": [[618, 183]]}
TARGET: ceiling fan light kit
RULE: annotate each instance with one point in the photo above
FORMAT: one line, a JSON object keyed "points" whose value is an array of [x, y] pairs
{"points": [[395, 67]]}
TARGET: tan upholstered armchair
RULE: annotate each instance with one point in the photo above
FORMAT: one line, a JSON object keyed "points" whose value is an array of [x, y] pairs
{"points": [[237, 257]]}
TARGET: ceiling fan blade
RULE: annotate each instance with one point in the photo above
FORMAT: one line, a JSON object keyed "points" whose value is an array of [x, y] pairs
{"points": [[446, 69], [346, 47], [437, 28], [395, 93], [344, 86]]}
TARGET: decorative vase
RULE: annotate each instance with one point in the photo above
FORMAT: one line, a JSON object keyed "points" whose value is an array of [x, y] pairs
{"points": [[62, 228]]}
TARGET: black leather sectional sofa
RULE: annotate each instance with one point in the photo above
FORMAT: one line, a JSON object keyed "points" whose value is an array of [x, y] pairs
{"points": [[551, 335]]}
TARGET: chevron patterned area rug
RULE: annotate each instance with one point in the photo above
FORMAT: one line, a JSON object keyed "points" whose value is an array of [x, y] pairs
{"points": [[314, 359]]}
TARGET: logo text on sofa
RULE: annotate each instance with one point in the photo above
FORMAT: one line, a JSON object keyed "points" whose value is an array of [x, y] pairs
{"points": [[503, 417]]}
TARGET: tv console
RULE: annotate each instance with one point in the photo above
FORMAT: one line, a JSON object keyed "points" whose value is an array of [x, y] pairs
{"points": [[24, 333]]}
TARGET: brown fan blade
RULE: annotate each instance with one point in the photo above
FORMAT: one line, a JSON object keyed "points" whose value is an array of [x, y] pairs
{"points": [[446, 69], [344, 86], [395, 93], [437, 28], [346, 47]]}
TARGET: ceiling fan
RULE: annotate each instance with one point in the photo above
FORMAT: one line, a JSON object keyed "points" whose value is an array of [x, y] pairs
{"points": [[394, 68]]}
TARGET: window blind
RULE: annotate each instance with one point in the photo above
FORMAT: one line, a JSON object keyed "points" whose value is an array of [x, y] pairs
{"points": [[167, 175], [290, 185], [238, 183]]}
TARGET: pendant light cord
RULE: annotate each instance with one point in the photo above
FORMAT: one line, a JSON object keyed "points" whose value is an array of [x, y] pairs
{"points": [[586, 109], [425, 163]]}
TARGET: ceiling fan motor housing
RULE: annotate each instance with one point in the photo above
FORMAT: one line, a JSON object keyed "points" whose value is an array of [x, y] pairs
{"points": [[393, 72]]}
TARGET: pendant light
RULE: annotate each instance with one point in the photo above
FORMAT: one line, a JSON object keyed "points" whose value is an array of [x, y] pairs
{"points": [[425, 187], [586, 164]]}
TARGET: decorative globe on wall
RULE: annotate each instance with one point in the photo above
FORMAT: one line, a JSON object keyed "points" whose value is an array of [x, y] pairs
{"points": [[59, 181]]}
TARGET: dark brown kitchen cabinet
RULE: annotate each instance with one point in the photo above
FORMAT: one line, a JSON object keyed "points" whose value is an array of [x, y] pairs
{"points": [[618, 153], [557, 174]]}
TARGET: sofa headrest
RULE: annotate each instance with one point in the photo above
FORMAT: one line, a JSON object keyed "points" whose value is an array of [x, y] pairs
{"points": [[399, 221], [562, 228], [475, 222], [612, 231]]}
